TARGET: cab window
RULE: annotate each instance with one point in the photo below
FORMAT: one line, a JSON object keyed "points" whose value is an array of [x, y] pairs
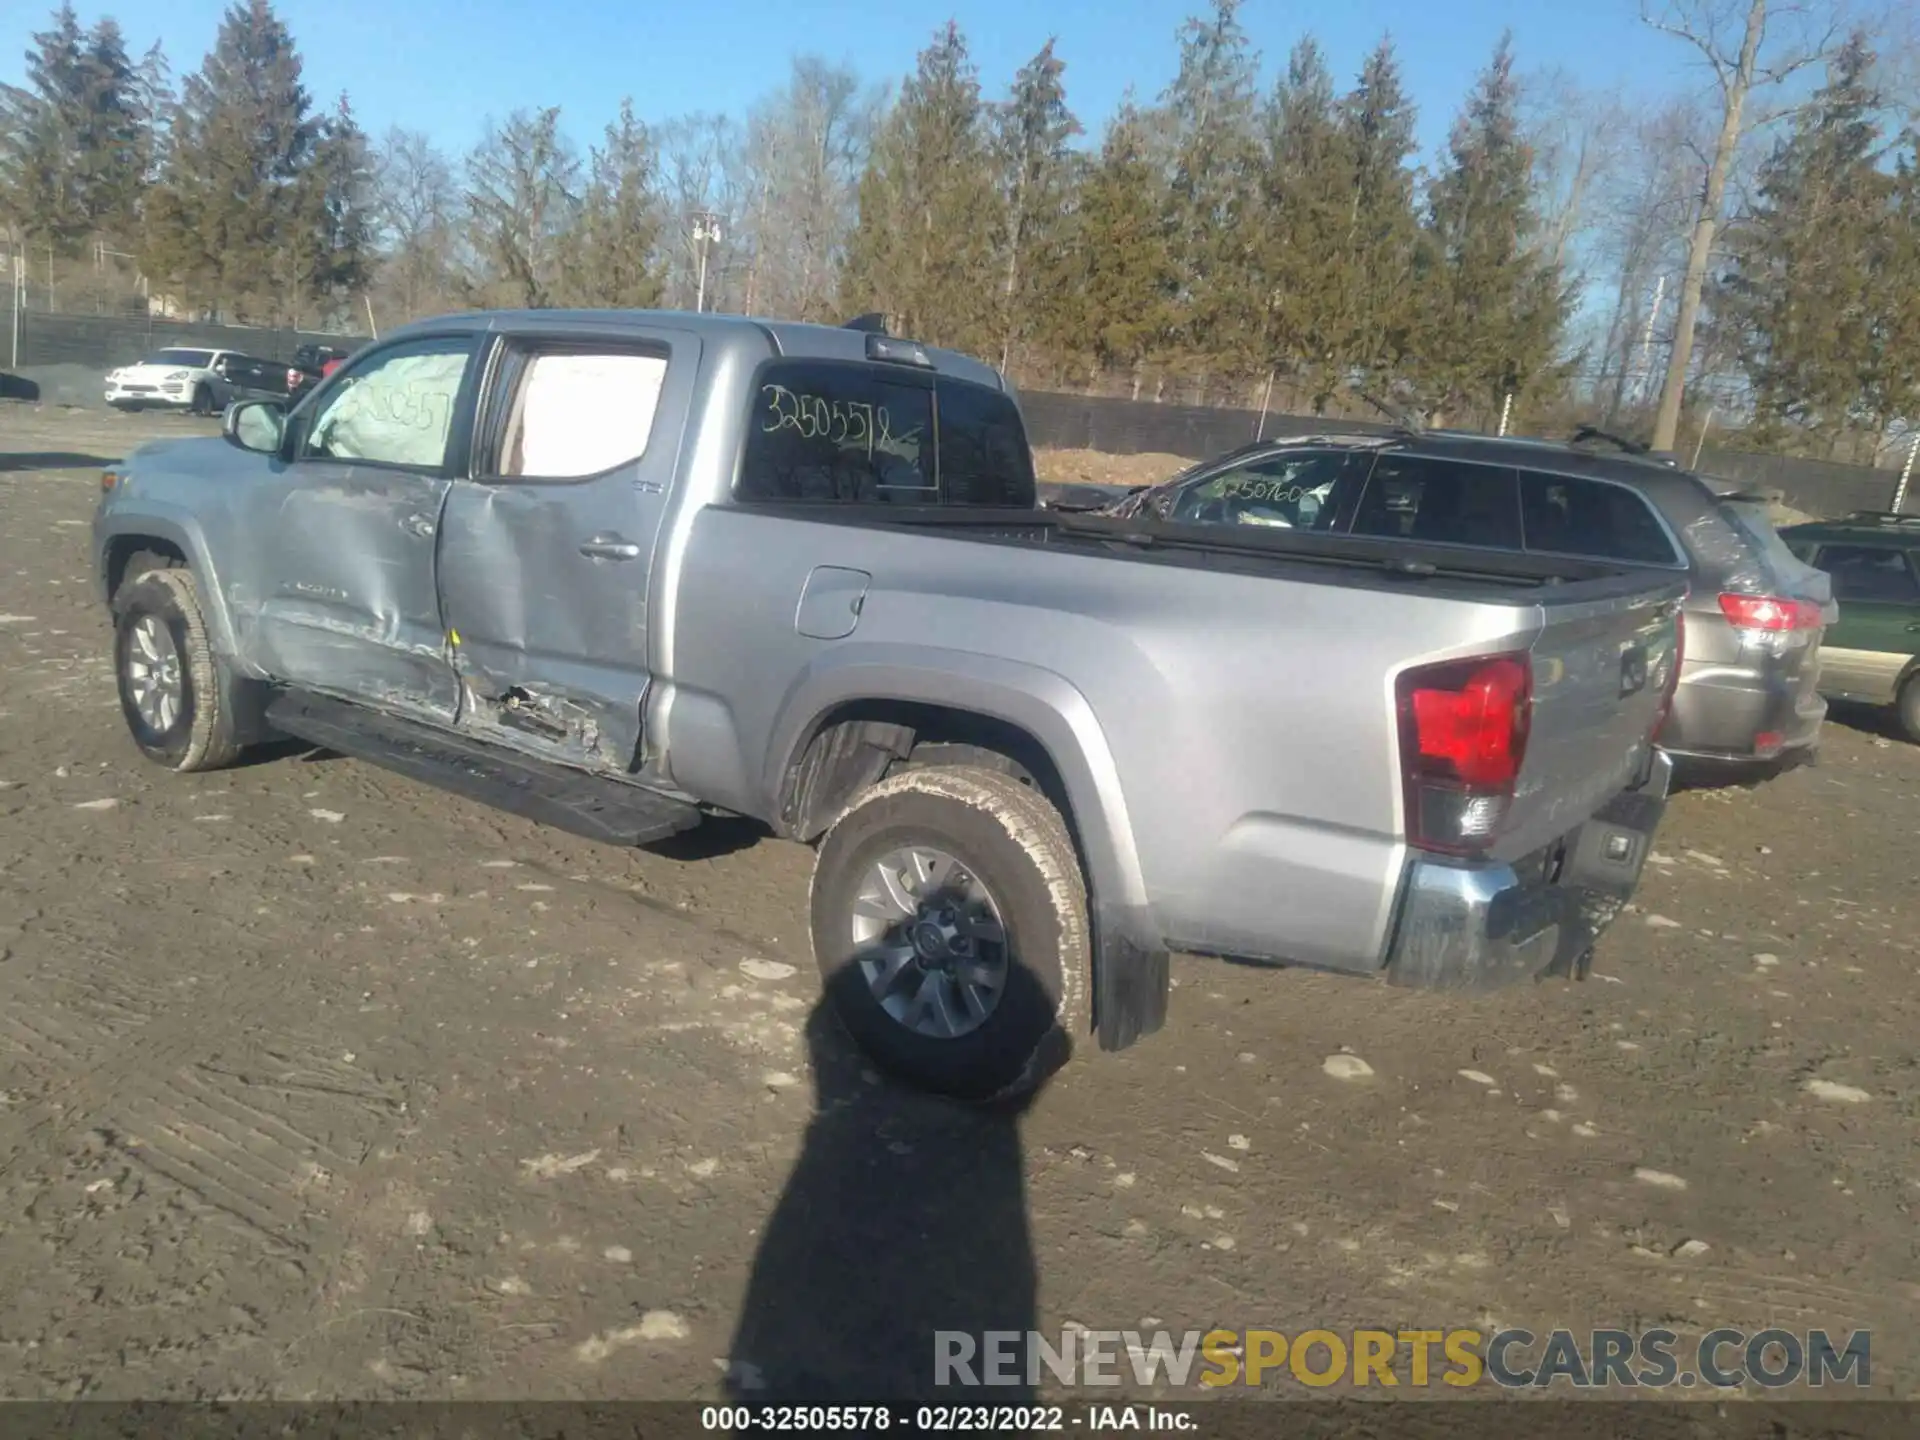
{"points": [[1867, 573], [1296, 491]]}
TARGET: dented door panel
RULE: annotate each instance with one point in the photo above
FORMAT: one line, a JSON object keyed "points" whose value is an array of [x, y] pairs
{"points": [[543, 587], [346, 575]]}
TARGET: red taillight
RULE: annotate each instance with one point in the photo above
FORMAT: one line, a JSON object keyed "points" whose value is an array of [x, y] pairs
{"points": [[1463, 734], [1771, 613]]}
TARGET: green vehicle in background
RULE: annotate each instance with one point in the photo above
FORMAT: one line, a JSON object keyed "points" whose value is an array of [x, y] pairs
{"points": [[1872, 654]]}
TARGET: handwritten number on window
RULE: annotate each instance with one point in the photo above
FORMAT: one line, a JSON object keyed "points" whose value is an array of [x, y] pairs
{"points": [[856, 424]]}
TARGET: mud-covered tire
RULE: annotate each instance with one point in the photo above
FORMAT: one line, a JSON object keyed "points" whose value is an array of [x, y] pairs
{"points": [[1015, 842], [1907, 707], [202, 736], [978, 757]]}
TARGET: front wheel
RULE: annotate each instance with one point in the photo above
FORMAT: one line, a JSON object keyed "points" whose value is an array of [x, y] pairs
{"points": [[202, 400], [1909, 707], [170, 692], [949, 922]]}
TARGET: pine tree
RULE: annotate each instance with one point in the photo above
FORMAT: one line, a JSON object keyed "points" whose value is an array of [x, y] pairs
{"points": [[231, 204], [923, 249], [1378, 308], [1497, 309], [610, 251], [115, 139], [1032, 134], [1123, 265], [1211, 113], [1896, 395], [1302, 208], [1801, 293], [42, 128], [329, 257]]}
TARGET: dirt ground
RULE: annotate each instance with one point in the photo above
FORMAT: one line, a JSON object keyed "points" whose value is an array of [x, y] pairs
{"points": [[316, 1083]]}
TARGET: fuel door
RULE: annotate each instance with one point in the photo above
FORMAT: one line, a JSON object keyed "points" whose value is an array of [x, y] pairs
{"points": [[830, 602]]}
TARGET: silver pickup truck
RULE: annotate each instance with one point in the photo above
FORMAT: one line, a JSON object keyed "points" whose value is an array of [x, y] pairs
{"points": [[622, 571]]}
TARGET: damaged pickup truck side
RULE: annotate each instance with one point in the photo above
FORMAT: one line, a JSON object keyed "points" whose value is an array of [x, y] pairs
{"points": [[621, 571]]}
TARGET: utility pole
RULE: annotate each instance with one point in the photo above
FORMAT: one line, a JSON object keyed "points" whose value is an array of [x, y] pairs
{"points": [[706, 231], [1906, 474], [1646, 336]]}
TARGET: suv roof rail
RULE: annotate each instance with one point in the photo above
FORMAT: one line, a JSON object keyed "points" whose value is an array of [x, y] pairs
{"points": [[1586, 434], [1885, 517]]}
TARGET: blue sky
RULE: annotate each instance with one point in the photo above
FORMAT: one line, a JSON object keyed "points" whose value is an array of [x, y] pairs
{"points": [[443, 65]]}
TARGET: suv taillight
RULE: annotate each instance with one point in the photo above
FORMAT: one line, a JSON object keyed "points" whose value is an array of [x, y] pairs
{"points": [[1463, 734], [1771, 613]]}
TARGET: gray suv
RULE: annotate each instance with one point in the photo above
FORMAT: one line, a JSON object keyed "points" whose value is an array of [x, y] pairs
{"points": [[1754, 613]]}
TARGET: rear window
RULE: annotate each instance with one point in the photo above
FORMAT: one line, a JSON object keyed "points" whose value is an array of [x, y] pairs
{"points": [[196, 359], [1563, 515], [837, 433], [1869, 574], [1444, 502], [1751, 521]]}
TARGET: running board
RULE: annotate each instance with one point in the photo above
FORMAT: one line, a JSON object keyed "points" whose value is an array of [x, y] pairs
{"points": [[567, 799]]}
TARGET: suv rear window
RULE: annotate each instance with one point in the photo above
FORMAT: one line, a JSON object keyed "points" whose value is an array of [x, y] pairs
{"points": [[1563, 515], [850, 433], [1444, 502]]}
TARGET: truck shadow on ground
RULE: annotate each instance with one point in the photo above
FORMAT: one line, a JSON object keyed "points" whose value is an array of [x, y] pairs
{"points": [[905, 1216], [52, 460]]}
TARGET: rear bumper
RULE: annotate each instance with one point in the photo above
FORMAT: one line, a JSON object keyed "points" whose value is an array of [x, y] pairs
{"points": [[1478, 925], [1732, 714]]}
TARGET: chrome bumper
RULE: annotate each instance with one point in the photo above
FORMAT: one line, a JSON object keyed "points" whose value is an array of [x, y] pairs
{"points": [[1478, 925]]}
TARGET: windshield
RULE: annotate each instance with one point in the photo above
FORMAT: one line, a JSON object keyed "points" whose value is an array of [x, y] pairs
{"points": [[193, 359]]}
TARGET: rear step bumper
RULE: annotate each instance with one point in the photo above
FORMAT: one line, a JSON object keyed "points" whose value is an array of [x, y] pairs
{"points": [[1467, 925], [567, 799]]}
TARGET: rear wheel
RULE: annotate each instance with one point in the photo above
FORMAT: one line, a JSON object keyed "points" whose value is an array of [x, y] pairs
{"points": [[1909, 707], [949, 922]]}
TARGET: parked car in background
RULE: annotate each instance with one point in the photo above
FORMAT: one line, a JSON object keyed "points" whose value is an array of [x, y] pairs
{"points": [[1872, 653], [1754, 613], [622, 571], [202, 381], [311, 365]]}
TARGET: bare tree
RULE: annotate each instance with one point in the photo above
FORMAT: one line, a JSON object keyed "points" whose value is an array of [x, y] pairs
{"points": [[1748, 46], [522, 192], [416, 200], [1579, 138], [701, 175], [805, 150]]}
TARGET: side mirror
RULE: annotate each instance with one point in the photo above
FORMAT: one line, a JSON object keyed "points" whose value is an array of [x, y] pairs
{"points": [[256, 425]]}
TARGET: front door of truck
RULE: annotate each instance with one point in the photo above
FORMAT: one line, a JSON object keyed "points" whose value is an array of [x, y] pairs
{"points": [[341, 539], [547, 551]]}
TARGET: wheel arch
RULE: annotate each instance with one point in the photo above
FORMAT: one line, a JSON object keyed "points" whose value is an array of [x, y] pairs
{"points": [[179, 539], [852, 718]]}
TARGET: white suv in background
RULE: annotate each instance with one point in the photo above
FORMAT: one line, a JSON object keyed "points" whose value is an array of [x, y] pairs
{"points": [[179, 379]]}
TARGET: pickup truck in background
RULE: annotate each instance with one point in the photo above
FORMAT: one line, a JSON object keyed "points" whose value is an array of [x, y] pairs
{"points": [[622, 571]]}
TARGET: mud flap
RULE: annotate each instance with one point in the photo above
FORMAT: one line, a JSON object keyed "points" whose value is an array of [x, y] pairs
{"points": [[1132, 976]]}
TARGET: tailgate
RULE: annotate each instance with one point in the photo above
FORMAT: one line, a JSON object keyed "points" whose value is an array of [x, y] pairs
{"points": [[1602, 673]]}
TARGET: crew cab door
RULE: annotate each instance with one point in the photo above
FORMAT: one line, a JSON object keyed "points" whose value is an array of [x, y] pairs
{"points": [[546, 551], [341, 538]]}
